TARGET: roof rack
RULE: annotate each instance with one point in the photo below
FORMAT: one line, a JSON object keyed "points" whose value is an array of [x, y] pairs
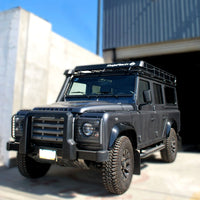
{"points": [[141, 67], [158, 73]]}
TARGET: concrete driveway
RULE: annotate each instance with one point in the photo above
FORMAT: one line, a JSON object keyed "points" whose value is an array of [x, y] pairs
{"points": [[158, 181]]}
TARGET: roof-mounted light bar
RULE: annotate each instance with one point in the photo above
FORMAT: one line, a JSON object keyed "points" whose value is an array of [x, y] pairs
{"points": [[133, 66]]}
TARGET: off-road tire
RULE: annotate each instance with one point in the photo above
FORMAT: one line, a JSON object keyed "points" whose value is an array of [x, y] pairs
{"points": [[171, 145], [118, 170], [29, 168]]}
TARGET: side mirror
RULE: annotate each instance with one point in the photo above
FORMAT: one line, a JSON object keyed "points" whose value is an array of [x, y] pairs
{"points": [[147, 96]]}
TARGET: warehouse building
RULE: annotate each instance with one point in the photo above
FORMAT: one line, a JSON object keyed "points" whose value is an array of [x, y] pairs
{"points": [[164, 33]]}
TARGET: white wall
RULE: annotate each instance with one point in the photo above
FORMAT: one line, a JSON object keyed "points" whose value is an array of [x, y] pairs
{"points": [[32, 62], [31, 80], [9, 28], [65, 55]]}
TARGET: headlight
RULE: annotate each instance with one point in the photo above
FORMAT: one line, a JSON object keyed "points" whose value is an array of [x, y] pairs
{"points": [[88, 130], [17, 126]]}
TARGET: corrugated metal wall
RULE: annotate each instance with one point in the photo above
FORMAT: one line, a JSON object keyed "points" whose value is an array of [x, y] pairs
{"points": [[136, 22]]}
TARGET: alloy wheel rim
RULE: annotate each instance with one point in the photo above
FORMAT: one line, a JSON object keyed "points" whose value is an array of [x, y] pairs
{"points": [[173, 145], [125, 163]]}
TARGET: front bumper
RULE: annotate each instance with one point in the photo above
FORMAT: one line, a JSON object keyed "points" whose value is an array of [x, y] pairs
{"points": [[13, 146], [74, 153]]}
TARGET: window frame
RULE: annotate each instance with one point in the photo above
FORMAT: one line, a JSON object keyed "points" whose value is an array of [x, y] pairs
{"points": [[175, 96], [155, 93], [138, 89]]}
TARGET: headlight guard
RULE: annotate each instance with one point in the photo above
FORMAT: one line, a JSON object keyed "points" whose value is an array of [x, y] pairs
{"points": [[17, 126]]}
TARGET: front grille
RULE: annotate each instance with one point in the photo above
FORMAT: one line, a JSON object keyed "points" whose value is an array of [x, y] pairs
{"points": [[47, 128]]}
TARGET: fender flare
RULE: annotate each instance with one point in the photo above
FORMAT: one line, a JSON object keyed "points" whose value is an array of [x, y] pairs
{"points": [[116, 130], [168, 125]]}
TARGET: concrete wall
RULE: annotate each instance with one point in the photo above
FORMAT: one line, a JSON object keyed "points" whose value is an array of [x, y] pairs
{"points": [[65, 55], [32, 62], [32, 67], [9, 28]]}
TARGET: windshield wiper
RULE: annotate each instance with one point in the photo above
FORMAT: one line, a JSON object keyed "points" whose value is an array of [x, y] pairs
{"points": [[105, 94]]}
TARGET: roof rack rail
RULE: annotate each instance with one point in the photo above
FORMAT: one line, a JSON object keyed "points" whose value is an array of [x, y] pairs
{"points": [[158, 73], [141, 67]]}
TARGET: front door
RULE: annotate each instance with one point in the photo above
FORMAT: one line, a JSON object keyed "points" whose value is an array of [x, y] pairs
{"points": [[147, 115]]}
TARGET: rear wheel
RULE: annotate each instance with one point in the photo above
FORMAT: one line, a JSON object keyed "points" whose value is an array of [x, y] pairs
{"points": [[29, 168], [169, 153], [117, 171]]}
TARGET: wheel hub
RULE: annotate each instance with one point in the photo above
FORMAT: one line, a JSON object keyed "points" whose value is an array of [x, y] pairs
{"points": [[125, 163], [173, 145]]}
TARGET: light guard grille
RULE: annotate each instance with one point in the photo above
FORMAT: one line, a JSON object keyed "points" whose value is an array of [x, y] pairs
{"points": [[48, 128]]}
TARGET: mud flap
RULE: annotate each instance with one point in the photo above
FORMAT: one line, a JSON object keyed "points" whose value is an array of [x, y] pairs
{"points": [[137, 162]]}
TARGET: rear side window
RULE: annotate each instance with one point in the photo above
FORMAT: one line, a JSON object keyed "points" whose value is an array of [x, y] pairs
{"points": [[170, 95], [158, 97]]}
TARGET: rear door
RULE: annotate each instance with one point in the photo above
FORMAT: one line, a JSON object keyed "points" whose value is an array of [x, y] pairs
{"points": [[161, 115]]}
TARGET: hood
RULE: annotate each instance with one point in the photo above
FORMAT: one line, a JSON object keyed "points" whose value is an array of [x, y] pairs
{"points": [[85, 106]]}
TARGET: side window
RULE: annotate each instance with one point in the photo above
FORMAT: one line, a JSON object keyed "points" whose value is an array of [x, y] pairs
{"points": [[158, 97], [143, 85], [170, 95]]}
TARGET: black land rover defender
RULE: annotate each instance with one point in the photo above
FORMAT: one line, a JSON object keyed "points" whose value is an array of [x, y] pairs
{"points": [[107, 116]]}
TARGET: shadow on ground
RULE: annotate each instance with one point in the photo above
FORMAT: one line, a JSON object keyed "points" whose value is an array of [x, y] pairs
{"points": [[59, 181], [63, 182], [68, 183]]}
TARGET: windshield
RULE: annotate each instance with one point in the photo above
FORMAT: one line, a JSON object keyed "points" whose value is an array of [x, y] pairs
{"points": [[102, 85]]}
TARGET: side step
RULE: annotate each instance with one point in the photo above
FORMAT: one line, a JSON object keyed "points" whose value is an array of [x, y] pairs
{"points": [[151, 151]]}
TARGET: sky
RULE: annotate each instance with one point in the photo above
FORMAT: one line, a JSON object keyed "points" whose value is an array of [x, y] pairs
{"points": [[75, 20]]}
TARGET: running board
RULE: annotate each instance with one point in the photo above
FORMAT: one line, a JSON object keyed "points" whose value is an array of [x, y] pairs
{"points": [[152, 150]]}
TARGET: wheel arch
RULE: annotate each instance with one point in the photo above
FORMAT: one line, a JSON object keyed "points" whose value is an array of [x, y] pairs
{"points": [[170, 123], [123, 130], [126, 130]]}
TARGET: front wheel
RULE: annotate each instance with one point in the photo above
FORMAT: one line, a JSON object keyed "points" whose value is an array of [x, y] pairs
{"points": [[29, 168], [169, 153], [117, 171]]}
